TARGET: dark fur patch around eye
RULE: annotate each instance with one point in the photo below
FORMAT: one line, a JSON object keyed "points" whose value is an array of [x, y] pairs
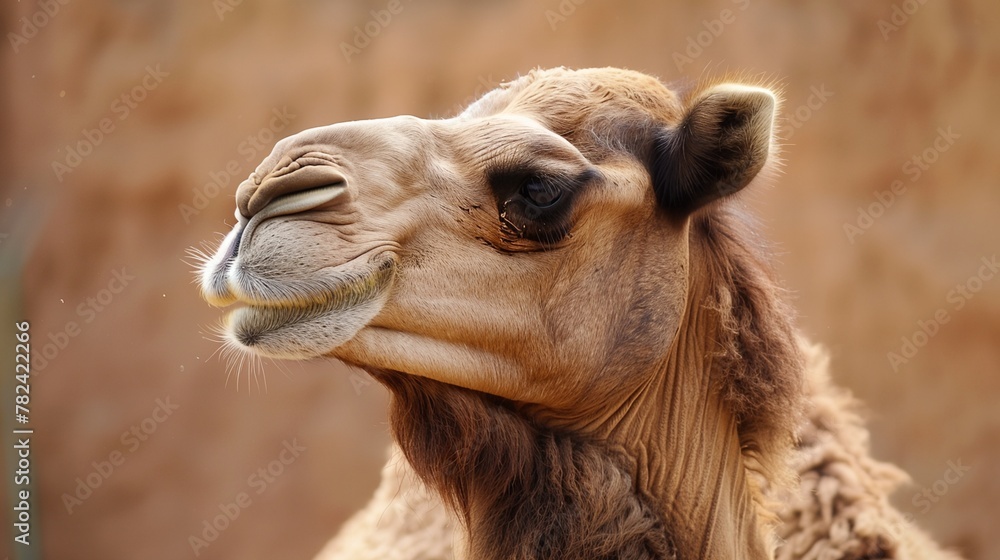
{"points": [[520, 218]]}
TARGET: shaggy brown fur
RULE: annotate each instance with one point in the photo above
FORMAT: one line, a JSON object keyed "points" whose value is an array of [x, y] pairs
{"points": [[761, 366], [841, 507], [524, 491]]}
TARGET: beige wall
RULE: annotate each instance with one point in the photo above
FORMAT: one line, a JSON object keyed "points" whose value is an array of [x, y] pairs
{"points": [[886, 94]]}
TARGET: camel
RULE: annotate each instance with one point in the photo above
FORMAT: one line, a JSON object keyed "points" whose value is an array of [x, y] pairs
{"points": [[587, 353]]}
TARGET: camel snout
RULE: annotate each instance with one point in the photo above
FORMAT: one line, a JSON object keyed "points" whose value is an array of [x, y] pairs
{"points": [[294, 186]]}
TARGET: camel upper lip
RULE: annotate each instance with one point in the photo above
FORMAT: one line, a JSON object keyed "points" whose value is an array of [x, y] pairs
{"points": [[225, 281], [344, 285], [215, 288], [291, 203], [214, 284]]}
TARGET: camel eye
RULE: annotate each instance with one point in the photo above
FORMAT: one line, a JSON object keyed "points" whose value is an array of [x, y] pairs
{"points": [[541, 193], [536, 205]]}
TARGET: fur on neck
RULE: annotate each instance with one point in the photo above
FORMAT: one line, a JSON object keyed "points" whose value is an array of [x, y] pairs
{"points": [[523, 491]]}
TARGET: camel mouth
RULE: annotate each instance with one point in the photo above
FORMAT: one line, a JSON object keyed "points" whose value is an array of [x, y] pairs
{"points": [[216, 270], [303, 306], [308, 318]]}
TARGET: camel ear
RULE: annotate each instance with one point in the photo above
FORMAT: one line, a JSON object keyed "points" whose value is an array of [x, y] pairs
{"points": [[719, 146]]}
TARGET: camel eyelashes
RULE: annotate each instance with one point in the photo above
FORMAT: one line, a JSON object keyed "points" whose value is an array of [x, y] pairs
{"points": [[537, 206], [537, 183]]}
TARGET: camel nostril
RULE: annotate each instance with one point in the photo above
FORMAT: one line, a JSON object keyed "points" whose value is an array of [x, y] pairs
{"points": [[282, 186], [300, 201]]}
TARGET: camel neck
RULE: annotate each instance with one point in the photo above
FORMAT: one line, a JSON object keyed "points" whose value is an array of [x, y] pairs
{"points": [[659, 459], [685, 448], [662, 478]]}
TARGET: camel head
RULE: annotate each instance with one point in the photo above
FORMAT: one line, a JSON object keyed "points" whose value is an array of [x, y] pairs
{"points": [[560, 250], [535, 247]]}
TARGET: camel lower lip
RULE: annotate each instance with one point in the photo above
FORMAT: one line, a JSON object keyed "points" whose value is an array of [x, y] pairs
{"points": [[252, 323]]}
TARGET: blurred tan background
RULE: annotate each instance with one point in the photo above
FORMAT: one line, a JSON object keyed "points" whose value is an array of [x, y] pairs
{"points": [[92, 246]]}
